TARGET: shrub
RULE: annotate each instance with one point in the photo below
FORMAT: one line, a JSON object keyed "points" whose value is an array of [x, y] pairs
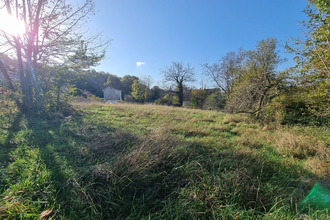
{"points": [[215, 101], [294, 109], [168, 99], [129, 98], [198, 98]]}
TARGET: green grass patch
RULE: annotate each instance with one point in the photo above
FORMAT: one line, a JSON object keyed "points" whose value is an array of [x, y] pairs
{"points": [[155, 162]]}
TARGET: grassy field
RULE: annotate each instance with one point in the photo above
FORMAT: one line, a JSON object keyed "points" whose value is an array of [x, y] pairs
{"points": [[156, 162]]}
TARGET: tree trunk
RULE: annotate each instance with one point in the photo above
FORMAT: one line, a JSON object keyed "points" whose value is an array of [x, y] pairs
{"points": [[32, 48], [26, 83], [180, 93], [261, 102], [32, 79]]}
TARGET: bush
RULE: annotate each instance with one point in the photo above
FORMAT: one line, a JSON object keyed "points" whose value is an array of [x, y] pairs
{"points": [[198, 98], [168, 99], [129, 98], [215, 101], [294, 109]]}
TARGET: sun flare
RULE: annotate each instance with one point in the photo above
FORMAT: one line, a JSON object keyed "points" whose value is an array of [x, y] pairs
{"points": [[11, 25]]}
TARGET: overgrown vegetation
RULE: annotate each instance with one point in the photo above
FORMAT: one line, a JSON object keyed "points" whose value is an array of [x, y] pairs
{"points": [[95, 161], [142, 162]]}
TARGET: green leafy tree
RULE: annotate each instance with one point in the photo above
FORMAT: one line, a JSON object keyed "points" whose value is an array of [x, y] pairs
{"points": [[312, 51], [139, 91], [52, 37], [114, 82], [155, 93], [312, 72], [127, 82], [256, 84], [60, 78]]}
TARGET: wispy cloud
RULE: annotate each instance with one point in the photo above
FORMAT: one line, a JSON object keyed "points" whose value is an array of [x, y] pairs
{"points": [[139, 64]]}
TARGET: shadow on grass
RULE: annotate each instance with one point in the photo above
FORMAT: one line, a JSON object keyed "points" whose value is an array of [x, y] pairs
{"points": [[73, 151], [8, 145], [58, 149]]}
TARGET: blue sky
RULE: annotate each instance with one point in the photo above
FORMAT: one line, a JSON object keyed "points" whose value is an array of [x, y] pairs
{"points": [[158, 32]]}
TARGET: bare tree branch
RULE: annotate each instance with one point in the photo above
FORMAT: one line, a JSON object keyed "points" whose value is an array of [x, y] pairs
{"points": [[179, 74]]}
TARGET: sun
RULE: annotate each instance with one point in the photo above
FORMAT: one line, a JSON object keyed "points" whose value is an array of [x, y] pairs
{"points": [[10, 25]]}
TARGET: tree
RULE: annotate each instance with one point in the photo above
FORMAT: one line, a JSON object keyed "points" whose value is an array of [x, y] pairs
{"points": [[147, 81], [127, 82], [198, 98], [215, 101], [139, 91], [60, 78], [312, 52], [254, 86], [53, 35], [114, 82], [224, 73], [93, 82], [179, 74], [312, 72], [155, 93]]}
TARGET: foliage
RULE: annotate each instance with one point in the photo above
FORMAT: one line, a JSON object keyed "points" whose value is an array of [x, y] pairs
{"points": [[312, 55], [255, 85], [129, 98], [155, 93], [211, 99], [56, 81], [52, 37], [291, 107], [127, 82], [313, 61], [131, 87], [168, 99], [114, 82], [124, 83], [198, 98], [93, 82], [215, 101], [6, 67], [139, 92]]}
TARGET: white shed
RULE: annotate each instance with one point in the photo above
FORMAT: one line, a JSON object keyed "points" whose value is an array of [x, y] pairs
{"points": [[112, 94]]}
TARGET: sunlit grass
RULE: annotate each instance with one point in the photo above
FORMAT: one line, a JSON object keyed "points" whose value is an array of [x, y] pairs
{"points": [[155, 162]]}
